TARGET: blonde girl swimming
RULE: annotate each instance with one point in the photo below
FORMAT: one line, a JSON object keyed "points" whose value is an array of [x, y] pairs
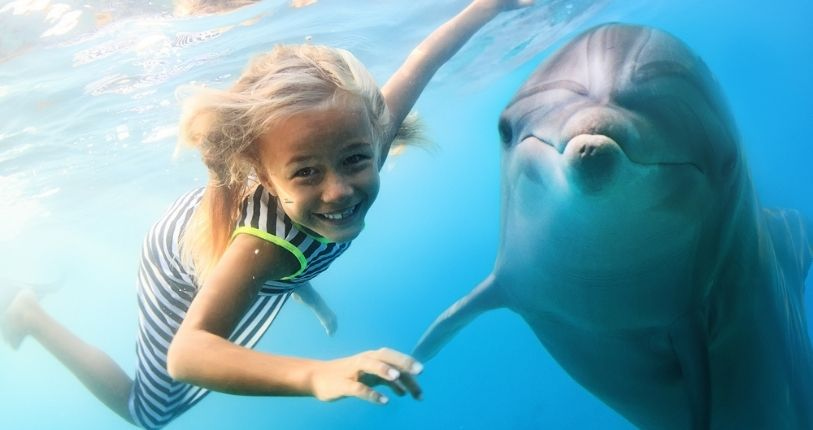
{"points": [[293, 151]]}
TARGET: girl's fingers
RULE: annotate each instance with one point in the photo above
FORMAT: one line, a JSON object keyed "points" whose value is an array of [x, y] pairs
{"points": [[396, 369], [402, 362], [397, 387], [364, 392], [408, 382], [372, 380], [378, 368]]}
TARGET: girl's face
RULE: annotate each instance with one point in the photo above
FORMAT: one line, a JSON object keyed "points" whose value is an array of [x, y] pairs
{"points": [[322, 165]]}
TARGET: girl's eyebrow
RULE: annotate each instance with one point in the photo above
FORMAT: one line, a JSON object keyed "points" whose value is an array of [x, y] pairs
{"points": [[299, 159], [357, 145], [304, 158]]}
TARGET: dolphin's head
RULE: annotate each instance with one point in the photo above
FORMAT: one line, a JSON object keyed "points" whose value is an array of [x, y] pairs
{"points": [[616, 105], [621, 161]]}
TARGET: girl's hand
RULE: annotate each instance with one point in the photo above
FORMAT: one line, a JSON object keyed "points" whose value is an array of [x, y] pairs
{"points": [[355, 376], [503, 5]]}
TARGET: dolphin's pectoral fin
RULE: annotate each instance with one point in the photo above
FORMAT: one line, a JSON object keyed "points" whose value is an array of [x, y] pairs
{"points": [[690, 344], [483, 298]]}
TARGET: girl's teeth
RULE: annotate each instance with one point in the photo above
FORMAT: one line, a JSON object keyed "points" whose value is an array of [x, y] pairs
{"points": [[339, 215]]}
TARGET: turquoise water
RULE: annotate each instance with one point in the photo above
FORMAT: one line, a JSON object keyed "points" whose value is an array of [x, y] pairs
{"points": [[86, 165]]}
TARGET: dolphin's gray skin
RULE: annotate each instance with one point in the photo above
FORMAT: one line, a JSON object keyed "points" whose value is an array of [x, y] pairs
{"points": [[633, 244]]}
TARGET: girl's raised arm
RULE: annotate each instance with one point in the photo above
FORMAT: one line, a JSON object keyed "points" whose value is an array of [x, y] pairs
{"points": [[406, 84]]}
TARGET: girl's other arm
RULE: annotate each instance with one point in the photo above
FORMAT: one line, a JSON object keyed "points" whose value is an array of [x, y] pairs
{"points": [[406, 84], [201, 353]]}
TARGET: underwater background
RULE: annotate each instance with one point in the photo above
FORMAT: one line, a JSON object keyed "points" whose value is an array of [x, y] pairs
{"points": [[88, 162]]}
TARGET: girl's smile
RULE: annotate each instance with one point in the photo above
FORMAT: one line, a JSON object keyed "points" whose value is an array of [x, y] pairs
{"points": [[341, 217]]}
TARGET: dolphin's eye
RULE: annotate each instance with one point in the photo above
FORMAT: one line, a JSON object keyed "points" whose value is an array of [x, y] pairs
{"points": [[506, 133]]}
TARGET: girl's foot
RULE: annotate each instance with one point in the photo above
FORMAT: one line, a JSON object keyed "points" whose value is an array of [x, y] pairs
{"points": [[13, 324]]}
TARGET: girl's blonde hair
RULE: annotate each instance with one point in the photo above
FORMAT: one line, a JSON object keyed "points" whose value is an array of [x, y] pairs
{"points": [[224, 125]]}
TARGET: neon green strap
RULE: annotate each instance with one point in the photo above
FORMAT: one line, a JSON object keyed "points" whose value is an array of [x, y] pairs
{"points": [[312, 235], [315, 236], [303, 263]]}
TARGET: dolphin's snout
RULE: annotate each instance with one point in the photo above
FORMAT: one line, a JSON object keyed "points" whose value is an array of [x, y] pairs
{"points": [[599, 120], [593, 161]]}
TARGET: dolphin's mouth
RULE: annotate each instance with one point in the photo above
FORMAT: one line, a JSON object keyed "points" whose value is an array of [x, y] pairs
{"points": [[603, 139], [671, 164]]}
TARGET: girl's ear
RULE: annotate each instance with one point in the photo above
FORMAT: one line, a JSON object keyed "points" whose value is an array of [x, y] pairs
{"points": [[270, 188], [265, 180]]}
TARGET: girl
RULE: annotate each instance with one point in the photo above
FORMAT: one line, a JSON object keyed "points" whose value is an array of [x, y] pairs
{"points": [[293, 151]]}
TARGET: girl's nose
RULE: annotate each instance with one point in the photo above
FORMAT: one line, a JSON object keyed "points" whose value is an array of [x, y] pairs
{"points": [[336, 188]]}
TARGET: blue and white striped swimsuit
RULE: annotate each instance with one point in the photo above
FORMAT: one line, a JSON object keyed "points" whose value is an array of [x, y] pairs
{"points": [[166, 288]]}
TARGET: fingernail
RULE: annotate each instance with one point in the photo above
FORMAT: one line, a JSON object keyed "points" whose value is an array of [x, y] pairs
{"points": [[416, 368], [393, 374], [383, 400]]}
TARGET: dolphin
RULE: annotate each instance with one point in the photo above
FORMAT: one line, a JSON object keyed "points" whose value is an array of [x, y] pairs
{"points": [[633, 244]]}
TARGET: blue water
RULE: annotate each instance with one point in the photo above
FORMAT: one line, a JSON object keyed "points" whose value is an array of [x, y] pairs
{"points": [[86, 165]]}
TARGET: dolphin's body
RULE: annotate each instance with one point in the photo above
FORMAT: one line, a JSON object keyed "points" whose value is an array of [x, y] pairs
{"points": [[633, 244]]}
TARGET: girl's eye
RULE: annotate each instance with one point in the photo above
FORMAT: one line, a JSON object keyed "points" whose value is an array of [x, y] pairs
{"points": [[307, 172], [356, 159]]}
